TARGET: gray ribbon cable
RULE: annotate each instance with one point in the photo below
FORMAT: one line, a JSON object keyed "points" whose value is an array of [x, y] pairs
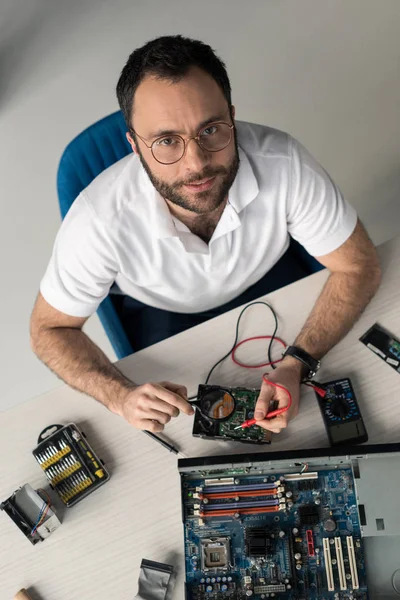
{"points": [[153, 580]]}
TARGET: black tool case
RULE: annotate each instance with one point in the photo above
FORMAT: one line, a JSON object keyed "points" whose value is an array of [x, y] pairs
{"points": [[72, 467]]}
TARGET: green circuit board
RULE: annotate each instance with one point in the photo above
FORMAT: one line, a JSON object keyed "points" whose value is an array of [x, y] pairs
{"points": [[244, 403]]}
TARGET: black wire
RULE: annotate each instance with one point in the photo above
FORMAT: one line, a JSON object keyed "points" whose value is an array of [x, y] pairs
{"points": [[237, 336]]}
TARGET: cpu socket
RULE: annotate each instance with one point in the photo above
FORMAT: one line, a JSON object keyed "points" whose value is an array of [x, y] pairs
{"points": [[215, 554]]}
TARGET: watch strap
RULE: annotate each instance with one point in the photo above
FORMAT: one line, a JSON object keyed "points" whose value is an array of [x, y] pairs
{"points": [[309, 361]]}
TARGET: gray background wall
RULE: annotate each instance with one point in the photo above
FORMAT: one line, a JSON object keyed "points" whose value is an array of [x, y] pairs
{"points": [[327, 71]]}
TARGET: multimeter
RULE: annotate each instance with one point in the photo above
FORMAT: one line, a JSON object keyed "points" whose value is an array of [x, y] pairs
{"points": [[341, 413]]}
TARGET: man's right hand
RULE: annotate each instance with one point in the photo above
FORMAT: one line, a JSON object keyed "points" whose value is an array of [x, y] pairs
{"points": [[151, 406]]}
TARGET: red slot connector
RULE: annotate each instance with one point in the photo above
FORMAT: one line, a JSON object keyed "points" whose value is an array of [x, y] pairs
{"points": [[310, 543]]}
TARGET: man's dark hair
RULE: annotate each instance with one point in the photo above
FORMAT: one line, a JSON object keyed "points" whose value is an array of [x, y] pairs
{"points": [[168, 57]]}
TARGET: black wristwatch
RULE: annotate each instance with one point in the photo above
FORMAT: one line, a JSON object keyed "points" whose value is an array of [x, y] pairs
{"points": [[311, 363]]}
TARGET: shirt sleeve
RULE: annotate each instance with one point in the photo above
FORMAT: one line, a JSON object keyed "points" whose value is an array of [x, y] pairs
{"points": [[318, 216], [82, 267]]}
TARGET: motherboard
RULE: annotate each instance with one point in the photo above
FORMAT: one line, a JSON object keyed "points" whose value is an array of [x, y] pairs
{"points": [[242, 403], [290, 536]]}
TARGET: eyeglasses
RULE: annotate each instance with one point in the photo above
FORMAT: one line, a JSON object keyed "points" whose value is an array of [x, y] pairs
{"points": [[169, 149]]}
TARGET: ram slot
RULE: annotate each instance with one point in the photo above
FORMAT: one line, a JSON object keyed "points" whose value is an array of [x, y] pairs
{"points": [[232, 513], [238, 488], [328, 565], [235, 505], [353, 564], [247, 494], [340, 563]]}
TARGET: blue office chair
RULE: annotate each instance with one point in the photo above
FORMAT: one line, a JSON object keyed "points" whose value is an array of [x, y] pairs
{"points": [[91, 152], [96, 148]]}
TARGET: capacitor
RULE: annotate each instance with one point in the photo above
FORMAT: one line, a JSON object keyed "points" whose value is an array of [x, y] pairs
{"points": [[297, 556], [229, 578], [317, 501], [288, 587], [298, 566], [224, 587], [205, 500], [249, 593], [295, 531], [289, 494], [224, 579], [290, 504], [329, 525], [281, 534], [218, 579], [212, 579], [208, 580], [209, 588]]}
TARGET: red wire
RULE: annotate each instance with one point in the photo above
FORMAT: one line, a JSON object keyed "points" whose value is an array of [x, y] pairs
{"points": [[257, 337], [280, 411]]}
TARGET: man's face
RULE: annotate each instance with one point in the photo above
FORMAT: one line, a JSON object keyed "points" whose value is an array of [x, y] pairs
{"points": [[182, 108]]}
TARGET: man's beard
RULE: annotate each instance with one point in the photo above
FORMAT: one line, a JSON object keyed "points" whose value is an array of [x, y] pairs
{"points": [[201, 202]]}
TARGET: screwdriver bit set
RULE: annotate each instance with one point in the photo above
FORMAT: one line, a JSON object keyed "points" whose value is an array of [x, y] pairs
{"points": [[70, 464]]}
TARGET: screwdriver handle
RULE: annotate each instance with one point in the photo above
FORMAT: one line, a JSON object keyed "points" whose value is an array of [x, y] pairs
{"points": [[22, 595]]}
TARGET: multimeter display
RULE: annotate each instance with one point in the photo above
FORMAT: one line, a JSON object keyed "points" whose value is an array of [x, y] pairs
{"points": [[341, 413]]}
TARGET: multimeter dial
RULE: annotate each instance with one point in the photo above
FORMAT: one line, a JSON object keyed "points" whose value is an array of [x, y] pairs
{"points": [[341, 406], [341, 414]]}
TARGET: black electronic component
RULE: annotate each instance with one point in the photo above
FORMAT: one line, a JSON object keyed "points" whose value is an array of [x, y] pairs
{"points": [[384, 344], [257, 542], [309, 514], [308, 485], [69, 462], [341, 413]]}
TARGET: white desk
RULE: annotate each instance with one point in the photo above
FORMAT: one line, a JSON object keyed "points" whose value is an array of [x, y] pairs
{"points": [[97, 551]]}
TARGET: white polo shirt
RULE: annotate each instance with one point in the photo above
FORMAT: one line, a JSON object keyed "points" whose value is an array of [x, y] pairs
{"points": [[120, 229]]}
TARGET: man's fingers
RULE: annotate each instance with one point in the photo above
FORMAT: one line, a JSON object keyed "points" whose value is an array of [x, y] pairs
{"points": [[163, 393], [176, 387], [275, 425], [152, 426], [162, 406], [262, 404], [154, 415]]}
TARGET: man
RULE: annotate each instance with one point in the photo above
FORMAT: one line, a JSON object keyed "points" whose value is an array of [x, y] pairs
{"points": [[189, 223]]}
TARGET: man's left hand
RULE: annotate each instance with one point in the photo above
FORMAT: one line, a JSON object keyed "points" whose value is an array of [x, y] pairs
{"points": [[287, 374]]}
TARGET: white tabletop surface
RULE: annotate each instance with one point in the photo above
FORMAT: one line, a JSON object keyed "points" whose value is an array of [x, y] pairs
{"points": [[96, 553]]}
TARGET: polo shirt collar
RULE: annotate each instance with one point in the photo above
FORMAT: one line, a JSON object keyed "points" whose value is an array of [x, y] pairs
{"points": [[243, 191], [245, 187]]}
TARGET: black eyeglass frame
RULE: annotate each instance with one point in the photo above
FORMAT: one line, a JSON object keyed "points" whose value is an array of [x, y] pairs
{"points": [[185, 140]]}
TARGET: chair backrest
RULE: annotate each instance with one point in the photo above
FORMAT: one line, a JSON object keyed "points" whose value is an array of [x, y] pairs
{"points": [[91, 152]]}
